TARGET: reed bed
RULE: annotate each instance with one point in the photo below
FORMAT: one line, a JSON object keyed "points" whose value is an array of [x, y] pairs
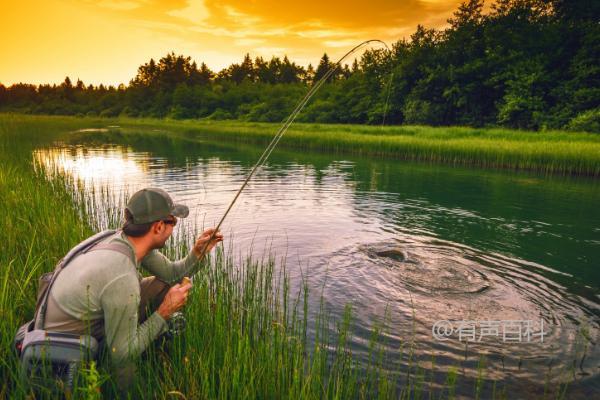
{"points": [[555, 152], [550, 152], [247, 336]]}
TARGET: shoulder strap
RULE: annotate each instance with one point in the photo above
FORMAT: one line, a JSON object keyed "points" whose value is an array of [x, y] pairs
{"points": [[114, 246], [83, 247]]}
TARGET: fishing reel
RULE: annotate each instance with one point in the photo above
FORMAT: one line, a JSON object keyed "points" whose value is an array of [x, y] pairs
{"points": [[177, 324]]}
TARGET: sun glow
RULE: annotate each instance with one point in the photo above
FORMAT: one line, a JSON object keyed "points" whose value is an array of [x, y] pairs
{"points": [[113, 165], [106, 41]]}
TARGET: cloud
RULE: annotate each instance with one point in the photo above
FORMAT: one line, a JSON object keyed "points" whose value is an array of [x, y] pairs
{"points": [[345, 43], [248, 42], [332, 21], [349, 14], [195, 12], [119, 5], [270, 51], [113, 37]]}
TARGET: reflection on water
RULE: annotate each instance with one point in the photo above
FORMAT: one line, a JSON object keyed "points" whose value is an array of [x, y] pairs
{"points": [[109, 166], [425, 243]]}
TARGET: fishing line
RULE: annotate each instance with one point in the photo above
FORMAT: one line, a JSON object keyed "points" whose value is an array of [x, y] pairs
{"points": [[286, 124], [387, 98]]}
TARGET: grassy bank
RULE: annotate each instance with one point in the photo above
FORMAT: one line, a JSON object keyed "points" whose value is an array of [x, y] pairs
{"points": [[548, 152], [40, 224]]}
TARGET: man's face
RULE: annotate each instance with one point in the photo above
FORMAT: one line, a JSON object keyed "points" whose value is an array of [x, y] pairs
{"points": [[163, 230]]}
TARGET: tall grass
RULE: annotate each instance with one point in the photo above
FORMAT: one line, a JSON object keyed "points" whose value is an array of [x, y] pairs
{"points": [[247, 337], [549, 152], [39, 224], [555, 152], [552, 152]]}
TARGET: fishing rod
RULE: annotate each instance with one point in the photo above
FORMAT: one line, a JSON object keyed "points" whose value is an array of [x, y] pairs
{"points": [[286, 124]]}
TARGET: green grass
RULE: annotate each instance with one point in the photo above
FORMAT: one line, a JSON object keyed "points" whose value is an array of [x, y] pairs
{"points": [[248, 335], [549, 152], [40, 222]]}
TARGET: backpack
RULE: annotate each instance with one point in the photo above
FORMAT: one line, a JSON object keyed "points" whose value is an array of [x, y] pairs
{"points": [[58, 355]]}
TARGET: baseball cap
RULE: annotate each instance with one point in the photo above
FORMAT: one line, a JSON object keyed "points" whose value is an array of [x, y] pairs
{"points": [[152, 204]]}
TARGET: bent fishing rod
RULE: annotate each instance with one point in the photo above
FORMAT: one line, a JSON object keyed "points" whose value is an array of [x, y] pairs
{"points": [[286, 124]]}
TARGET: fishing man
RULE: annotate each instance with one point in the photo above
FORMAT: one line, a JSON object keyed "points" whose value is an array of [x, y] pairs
{"points": [[103, 294]]}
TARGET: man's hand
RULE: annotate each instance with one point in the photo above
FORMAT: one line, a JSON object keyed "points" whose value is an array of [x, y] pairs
{"points": [[174, 300], [202, 241]]}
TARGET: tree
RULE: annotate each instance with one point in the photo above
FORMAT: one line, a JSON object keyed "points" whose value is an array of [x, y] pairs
{"points": [[274, 69], [170, 71], [523, 104], [146, 74], [525, 64], [309, 76], [3, 95], [67, 89], [205, 75], [290, 72], [263, 74], [324, 66], [239, 73]]}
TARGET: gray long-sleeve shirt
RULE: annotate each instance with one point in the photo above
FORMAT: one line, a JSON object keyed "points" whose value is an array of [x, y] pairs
{"points": [[99, 293]]}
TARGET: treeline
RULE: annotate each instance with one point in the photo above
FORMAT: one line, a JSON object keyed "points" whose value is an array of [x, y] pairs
{"points": [[531, 64]]}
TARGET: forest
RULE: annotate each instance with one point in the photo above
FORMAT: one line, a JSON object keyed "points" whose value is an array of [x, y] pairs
{"points": [[525, 64]]}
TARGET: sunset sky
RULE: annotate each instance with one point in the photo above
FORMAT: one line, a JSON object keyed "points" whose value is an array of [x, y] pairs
{"points": [[104, 41]]}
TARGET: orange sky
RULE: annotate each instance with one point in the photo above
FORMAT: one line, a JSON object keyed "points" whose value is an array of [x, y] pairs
{"points": [[104, 41]]}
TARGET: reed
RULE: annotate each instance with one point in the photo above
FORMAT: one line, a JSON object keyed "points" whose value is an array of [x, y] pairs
{"points": [[555, 152], [40, 222]]}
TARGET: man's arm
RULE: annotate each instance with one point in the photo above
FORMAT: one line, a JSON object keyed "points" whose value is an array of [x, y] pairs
{"points": [[170, 271], [125, 339], [173, 271]]}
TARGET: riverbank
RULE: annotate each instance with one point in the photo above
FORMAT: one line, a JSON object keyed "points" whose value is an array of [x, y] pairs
{"points": [[556, 152]]}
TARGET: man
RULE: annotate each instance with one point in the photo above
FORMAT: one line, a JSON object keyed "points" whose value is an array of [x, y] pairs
{"points": [[102, 293]]}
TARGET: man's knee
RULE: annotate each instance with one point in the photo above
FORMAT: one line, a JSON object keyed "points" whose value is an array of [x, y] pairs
{"points": [[152, 293]]}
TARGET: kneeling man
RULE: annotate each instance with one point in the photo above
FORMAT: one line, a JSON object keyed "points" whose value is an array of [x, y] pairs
{"points": [[102, 292]]}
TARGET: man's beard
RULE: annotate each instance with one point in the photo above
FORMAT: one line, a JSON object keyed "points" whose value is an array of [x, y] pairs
{"points": [[160, 245]]}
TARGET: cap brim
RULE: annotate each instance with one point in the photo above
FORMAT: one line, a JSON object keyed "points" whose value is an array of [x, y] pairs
{"points": [[180, 211]]}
